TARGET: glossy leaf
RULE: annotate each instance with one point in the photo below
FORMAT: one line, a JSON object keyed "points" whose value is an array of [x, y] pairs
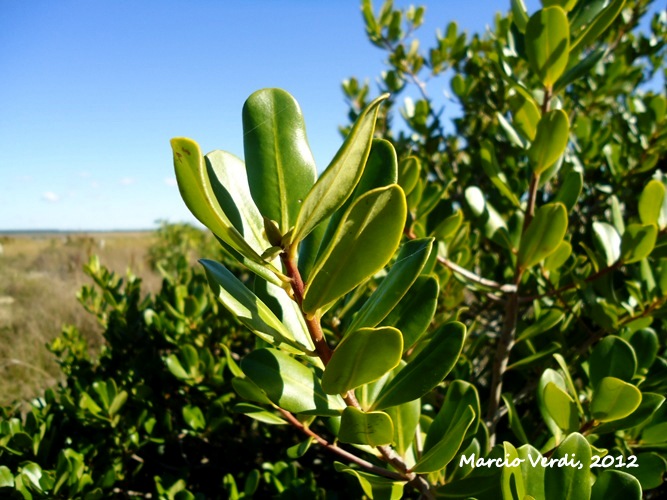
{"points": [[341, 176], [567, 5], [442, 452], [651, 471], [519, 15], [551, 138], [258, 413], [547, 320], [616, 485], [427, 369], [638, 242], [608, 240], [548, 43], [406, 419], [289, 384], [414, 313], [649, 404], [374, 487], [490, 166], [561, 407], [408, 173], [514, 420], [569, 482], [550, 376], [595, 29], [365, 241], [381, 170], [533, 477], [570, 189], [248, 308], [544, 234], [403, 273], [281, 168], [512, 481], [612, 357], [460, 395], [373, 428], [559, 257], [362, 356], [526, 115], [198, 194], [614, 399], [646, 344]]}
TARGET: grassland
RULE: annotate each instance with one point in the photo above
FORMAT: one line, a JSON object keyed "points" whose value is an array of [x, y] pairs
{"points": [[40, 275]]}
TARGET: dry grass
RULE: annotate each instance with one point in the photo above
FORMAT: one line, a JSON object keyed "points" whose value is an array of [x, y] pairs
{"points": [[39, 278]]}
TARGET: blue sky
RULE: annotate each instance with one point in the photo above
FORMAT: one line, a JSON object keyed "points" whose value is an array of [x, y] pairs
{"points": [[92, 92]]}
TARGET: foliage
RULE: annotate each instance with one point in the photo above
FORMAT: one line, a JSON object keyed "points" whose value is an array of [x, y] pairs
{"points": [[443, 314]]}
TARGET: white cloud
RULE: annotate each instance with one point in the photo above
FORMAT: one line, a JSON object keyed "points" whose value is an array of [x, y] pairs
{"points": [[126, 181], [170, 181], [51, 197]]}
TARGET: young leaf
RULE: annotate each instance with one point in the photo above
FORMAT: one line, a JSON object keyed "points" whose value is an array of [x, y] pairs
{"points": [[614, 399], [248, 308], [365, 241], [427, 369], [341, 176], [638, 242], [544, 234], [403, 273], [550, 141], [373, 428], [289, 384], [281, 168], [361, 357], [548, 43]]}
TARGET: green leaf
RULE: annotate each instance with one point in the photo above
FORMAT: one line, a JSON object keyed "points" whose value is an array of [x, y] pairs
{"points": [[365, 241], [614, 399], [406, 419], [410, 261], [6, 477], [198, 194], [569, 482], [495, 227], [408, 173], [519, 15], [248, 308], [194, 417], [533, 477], [490, 166], [414, 313], [289, 384], [427, 369], [547, 320], [526, 115], [514, 420], [570, 189], [567, 5], [612, 357], [247, 389], [544, 234], [595, 29], [442, 452], [649, 404], [650, 471], [638, 242], [448, 226], [362, 356], [532, 359], [300, 449], [609, 241], [381, 170], [512, 481], [548, 43], [579, 70], [375, 487], [550, 376], [341, 176], [559, 257], [258, 413], [616, 485], [460, 395], [561, 407], [281, 168], [373, 428], [553, 132], [646, 344]]}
